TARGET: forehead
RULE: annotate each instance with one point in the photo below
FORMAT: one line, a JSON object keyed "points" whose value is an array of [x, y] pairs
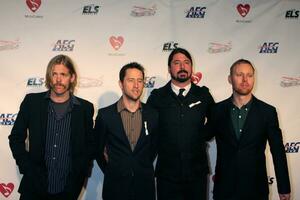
{"points": [[245, 67], [60, 68], [180, 56], [133, 73]]}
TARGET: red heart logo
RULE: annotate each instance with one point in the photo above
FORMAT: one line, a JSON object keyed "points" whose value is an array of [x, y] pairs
{"points": [[196, 77], [33, 5], [116, 42], [243, 9], [6, 190]]}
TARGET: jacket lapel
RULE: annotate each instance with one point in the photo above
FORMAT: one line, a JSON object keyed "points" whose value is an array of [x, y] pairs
{"points": [[143, 133], [119, 123], [44, 118], [251, 115], [228, 122]]}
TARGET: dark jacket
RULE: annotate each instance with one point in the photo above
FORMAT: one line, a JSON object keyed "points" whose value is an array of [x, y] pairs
{"points": [[241, 164], [127, 174], [182, 137], [32, 119]]}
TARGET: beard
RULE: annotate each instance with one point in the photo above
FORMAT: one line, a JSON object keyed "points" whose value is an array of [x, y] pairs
{"points": [[243, 92], [180, 78]]}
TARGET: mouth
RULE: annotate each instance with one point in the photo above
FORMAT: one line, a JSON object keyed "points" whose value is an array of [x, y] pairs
{"points": [[59, 86]]}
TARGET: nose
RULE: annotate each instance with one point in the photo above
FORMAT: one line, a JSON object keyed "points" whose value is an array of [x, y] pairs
{"points": [[182, 65], [136, 84]]}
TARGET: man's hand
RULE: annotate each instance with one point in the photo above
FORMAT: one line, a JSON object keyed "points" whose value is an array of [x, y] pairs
{"points": [[285, 196], [105, 154]]}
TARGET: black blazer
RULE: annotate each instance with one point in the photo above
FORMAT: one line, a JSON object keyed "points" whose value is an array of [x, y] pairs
{"points": [[127, 173], [241, 165], [32, 119], [182, 149]]}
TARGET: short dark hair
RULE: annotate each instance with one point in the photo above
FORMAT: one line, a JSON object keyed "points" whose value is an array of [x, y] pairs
{"points": [[241, 61], [132, 65], [179, 50], [68, 63]]}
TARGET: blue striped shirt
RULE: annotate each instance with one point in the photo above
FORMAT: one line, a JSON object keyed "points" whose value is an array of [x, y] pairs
{"points": [[57, 149]]}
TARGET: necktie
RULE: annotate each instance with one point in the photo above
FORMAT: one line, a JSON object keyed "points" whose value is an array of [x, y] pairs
{"points": [[180, 95]]}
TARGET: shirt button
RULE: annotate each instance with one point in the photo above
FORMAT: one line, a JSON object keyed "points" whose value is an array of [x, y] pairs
{"points": [[246, 109], [55, 145], [240, 130], [240, 116], [53, 158]]}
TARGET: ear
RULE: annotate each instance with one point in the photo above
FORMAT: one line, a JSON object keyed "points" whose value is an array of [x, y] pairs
{"points": [[121, 84], [73, 77], [229, 79]]}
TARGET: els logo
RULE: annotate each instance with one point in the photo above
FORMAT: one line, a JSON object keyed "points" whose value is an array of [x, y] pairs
{"points": [[196, 12], [36, 81], [33, 5], [116, 42], [90, 9], [269, 47], [292, 147], [6, 189], [294, 14], [170, 46], [270, 180], [243, 9], [64, 45]]}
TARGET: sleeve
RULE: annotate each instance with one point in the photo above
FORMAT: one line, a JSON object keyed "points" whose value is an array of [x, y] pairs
{"points": [[210, 103], [90, 132], [18, 136], [101, 137], [154, 136], [278, 153]]}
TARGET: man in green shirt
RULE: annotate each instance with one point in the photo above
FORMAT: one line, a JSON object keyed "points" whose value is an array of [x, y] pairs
{"points": [[242, 125]]}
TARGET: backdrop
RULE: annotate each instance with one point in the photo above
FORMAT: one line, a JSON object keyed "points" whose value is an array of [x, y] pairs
{"points": [[103, 35]]}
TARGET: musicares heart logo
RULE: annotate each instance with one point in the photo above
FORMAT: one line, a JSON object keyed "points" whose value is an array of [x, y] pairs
{"points": [[33, 5], [6, 190], [116, 42], [196, 77], [243, 9]]}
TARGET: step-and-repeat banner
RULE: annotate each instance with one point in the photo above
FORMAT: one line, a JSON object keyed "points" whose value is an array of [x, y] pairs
{"points": [[103, 35]]}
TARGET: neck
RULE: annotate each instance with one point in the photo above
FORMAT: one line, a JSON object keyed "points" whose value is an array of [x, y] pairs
{"points": [[181, 84], [240, 100], [130, 104], [59, 98]]}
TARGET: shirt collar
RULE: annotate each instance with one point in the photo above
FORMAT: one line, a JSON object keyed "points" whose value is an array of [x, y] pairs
{"points": [[74, 99], [175, 89], [244, 107], [121, 106]]}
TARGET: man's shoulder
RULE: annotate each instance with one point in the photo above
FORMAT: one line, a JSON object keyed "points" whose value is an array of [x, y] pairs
{"points": [[35, 96], [109, 109], [196, 89], [83, 101], [262, 104], [162, 90], [222, 104], [149, 109]]}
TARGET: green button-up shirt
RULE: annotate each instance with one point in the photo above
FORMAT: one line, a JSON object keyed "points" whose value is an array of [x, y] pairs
{"points": [[238, 117]]}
